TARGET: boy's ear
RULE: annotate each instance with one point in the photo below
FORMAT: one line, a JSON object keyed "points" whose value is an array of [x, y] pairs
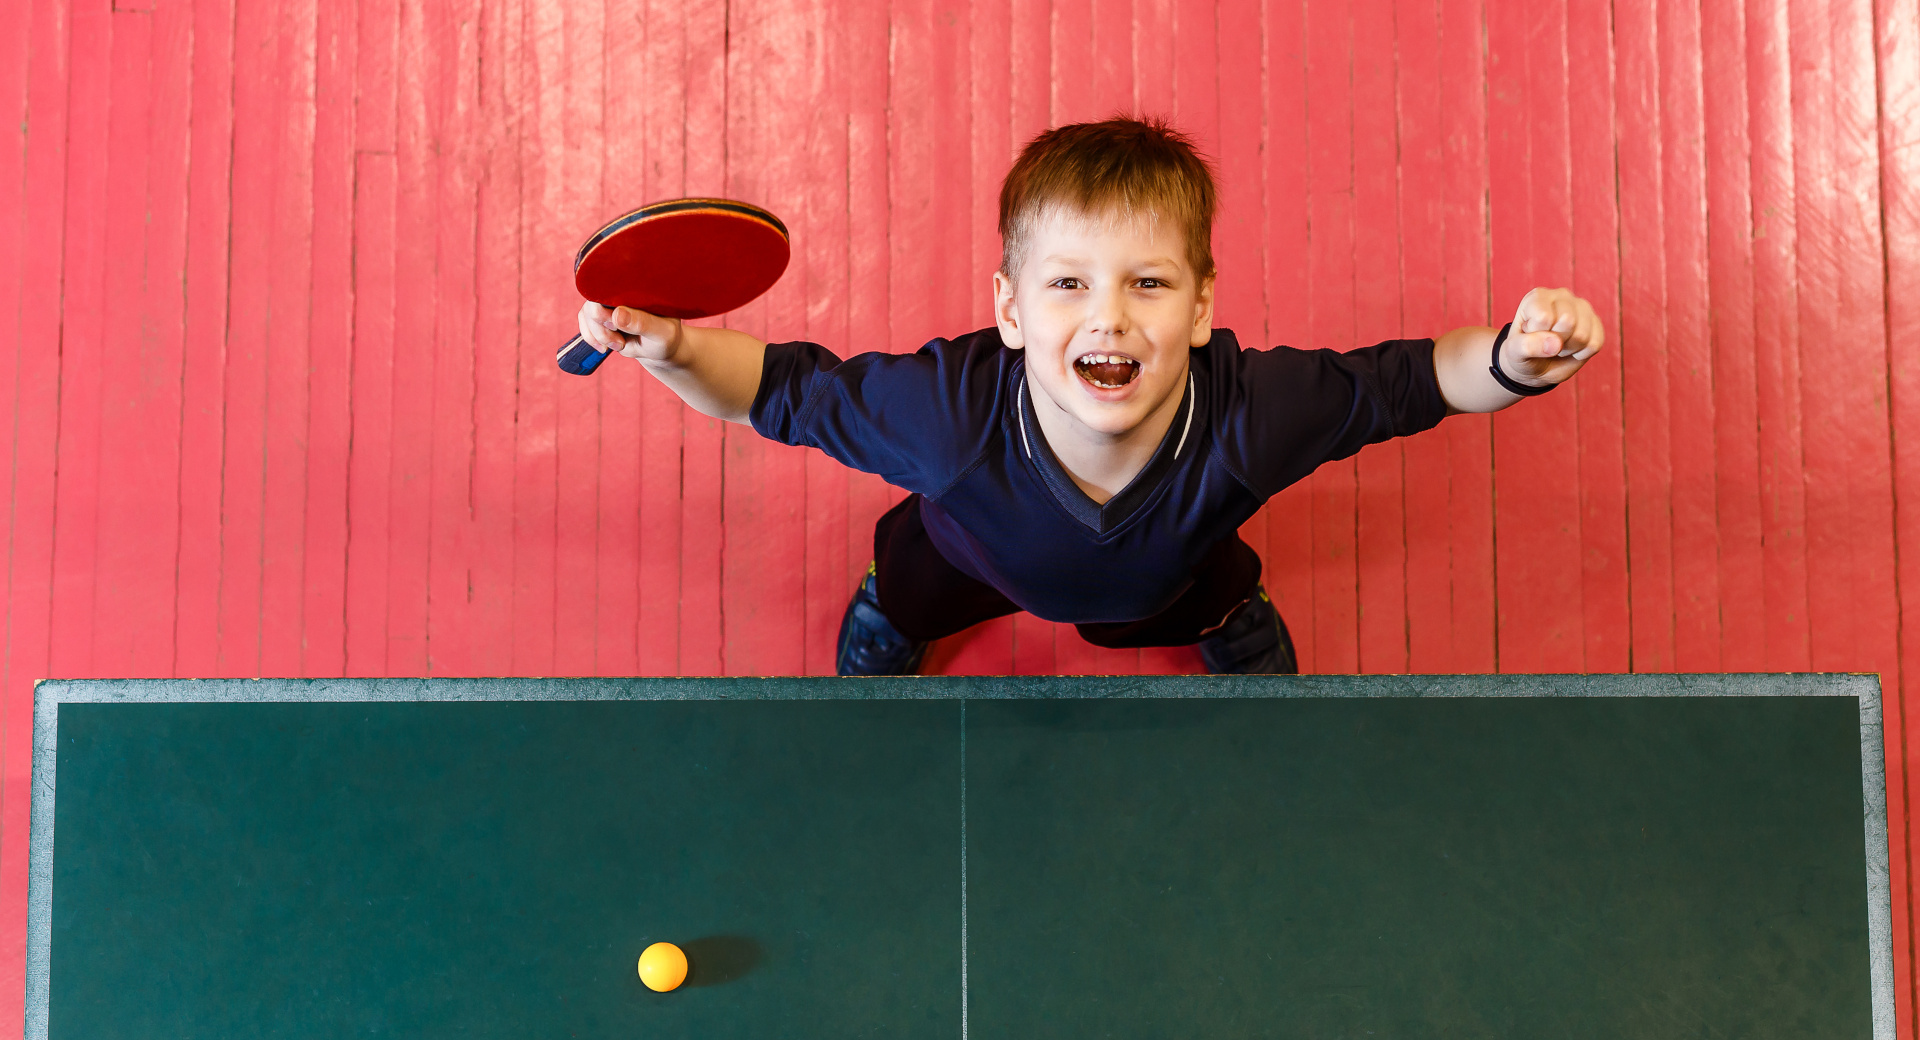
{"points": [[1203, 314], [1004, 313]]}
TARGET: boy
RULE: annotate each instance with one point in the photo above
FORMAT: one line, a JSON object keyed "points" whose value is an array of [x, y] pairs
{"points": [[1090, 458]]}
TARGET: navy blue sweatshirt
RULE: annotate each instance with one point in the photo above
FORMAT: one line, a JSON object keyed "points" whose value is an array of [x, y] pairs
{"points": [[954, 422]]}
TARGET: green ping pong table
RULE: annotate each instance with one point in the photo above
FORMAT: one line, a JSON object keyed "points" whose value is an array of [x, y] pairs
{"points": [[1487, 856]]}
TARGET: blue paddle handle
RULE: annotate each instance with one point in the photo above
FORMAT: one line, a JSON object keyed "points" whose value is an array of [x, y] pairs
{"points": [[580, 357]]}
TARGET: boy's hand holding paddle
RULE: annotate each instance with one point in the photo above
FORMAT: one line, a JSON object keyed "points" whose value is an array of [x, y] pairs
{"points": [[630, 332]]}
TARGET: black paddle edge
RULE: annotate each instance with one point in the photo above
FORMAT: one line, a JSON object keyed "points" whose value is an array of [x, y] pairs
{"points": [[661, 209]]}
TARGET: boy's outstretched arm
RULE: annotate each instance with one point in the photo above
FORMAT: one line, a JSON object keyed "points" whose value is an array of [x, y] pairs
{"points": [[1554, 333], [717, 371]]}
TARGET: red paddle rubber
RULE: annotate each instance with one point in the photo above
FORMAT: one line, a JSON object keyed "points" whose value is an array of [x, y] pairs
{"points": [[684, 258]]}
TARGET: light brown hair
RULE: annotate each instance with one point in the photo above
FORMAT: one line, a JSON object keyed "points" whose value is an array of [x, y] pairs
{"points": [[1117, 167]]}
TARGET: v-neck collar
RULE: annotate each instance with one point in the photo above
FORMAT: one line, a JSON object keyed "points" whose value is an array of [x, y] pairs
{"points": [[1077, 503]]}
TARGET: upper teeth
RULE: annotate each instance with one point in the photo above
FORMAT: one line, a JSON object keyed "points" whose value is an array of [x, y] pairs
{"points": [[1106, 359]]}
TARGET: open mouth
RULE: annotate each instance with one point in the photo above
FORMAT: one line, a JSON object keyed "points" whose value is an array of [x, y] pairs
{"points": [[1107, 371]]}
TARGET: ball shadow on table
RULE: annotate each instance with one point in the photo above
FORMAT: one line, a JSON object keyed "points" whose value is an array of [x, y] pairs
{"points": [[719, 959]]}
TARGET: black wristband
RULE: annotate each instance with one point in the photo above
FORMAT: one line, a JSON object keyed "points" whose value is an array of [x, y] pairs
{"points": [[1509, 385]]}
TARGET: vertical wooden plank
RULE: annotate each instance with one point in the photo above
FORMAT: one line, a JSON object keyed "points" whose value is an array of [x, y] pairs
{"points": [[916, 88], [703, 542], [1776, 345], [574, 163], [1034, 645], [152, 649], [1730, 324], [932, 200], [1153, 57], [1031, 84], [618, 592], [330, 424], [826, 253], [140, 407], [370, 463], [1288, 553], [284, 327], [1110, 44], [1334, 487], [1240, 233], [14, 64], [1866, 309], [445, 621], [662, 420], [1862, 318], [1171, 660], [1547, 631], [409, 481], [1596, 276], [1897, 50], [910, 310], [259, 109], [1073, 655], [1029, 54], [83, 331], [203, 393], [1196, 74], [1816, 183], [538, 535], [986, 649], [1537, 505], [1070, 35], [869, 226], [1380, 526], [1696, 541], [773, 54], [1866, 263], [498, 338], [992, 147], [1421, 211], [31, 464], [1643, 343], [1464, 87], [1848, 484]]}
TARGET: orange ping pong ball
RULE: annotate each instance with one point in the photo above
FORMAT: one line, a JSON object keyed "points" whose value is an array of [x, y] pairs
{"points": [[663, 967]]}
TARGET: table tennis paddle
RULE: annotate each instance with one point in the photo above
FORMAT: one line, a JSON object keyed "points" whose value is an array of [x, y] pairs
{"points": [[682, 258]]}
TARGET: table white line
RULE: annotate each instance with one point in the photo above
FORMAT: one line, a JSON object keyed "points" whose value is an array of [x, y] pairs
{"points": [[963, 870]]}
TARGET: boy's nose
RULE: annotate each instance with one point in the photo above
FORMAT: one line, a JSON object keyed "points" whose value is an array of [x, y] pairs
{"points": [[1107, 313]]}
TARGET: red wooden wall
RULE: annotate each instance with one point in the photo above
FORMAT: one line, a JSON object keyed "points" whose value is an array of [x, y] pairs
{"points": [[281, 284]]}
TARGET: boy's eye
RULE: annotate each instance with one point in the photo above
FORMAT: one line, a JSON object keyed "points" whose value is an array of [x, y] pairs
{"points": [[1152, 283], [1067, 283]]}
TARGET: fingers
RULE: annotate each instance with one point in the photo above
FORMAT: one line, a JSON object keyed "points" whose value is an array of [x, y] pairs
{"points": [[634, 322], [1591, 337], [593, 328], [1537, 344], [1567, 317]]}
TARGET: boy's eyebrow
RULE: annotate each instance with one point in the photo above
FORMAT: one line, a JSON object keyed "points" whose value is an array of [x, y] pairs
{"points": [[1158, 261]]}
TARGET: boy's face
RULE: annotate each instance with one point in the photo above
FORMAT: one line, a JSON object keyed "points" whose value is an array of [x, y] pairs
{"points": [[1106, 310]]}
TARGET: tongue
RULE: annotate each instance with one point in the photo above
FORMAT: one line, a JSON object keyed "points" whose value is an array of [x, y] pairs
{"points": [[1112, 373]]}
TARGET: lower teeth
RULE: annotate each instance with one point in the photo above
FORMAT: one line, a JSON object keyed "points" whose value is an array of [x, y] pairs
{"points": [[1104, 385]]}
